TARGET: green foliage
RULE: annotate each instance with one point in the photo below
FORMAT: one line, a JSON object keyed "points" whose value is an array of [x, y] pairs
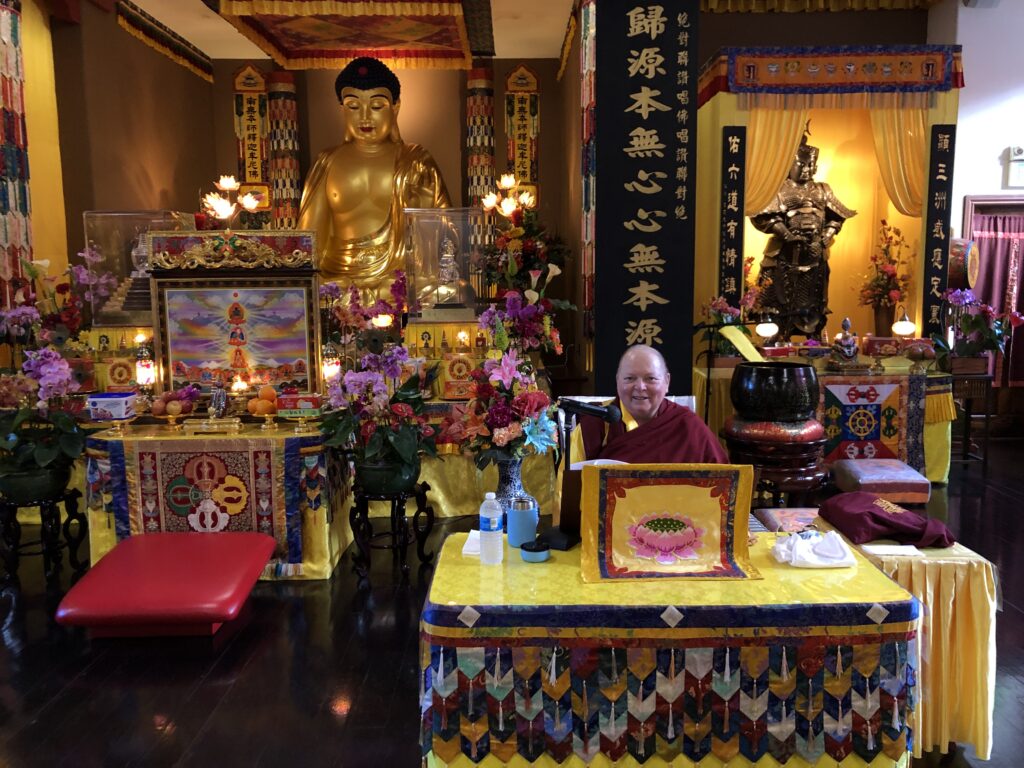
{"points": [[33, 439]]}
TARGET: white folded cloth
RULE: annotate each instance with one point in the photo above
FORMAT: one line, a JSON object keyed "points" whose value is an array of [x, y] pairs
{"points": [[813, 549], [472, 546]]}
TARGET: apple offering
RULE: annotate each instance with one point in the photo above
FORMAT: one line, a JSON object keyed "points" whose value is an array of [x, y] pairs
{"points": [[179, 402]]}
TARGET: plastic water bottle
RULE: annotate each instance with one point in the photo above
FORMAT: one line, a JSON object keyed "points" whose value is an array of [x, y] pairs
{"points": [[492, 538]]}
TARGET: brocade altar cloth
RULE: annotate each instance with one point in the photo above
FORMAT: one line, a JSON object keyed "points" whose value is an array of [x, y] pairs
{"points": [[153, 480], [524, 664]]}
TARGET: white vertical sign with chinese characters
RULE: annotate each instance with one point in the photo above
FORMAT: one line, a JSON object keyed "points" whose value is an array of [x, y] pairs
{"points": [[646, 122]]}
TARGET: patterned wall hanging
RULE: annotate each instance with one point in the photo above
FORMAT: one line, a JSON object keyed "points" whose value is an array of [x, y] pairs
{"points": [[588, 68], [522, 125], [252, 132], [143, 27], [285, 179], [479, 148], [327, 34], [15, 207]]}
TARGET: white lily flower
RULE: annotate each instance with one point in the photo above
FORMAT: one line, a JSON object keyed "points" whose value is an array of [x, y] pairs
{"points": [[507, 181], [527, 200], [532, 297], [490, 201], [507, 206]]}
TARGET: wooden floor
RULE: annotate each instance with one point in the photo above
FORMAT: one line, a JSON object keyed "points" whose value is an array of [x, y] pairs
{"points": [[325, 675]]}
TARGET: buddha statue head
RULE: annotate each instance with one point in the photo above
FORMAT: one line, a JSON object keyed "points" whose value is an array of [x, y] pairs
{"points": [[369, 92]]}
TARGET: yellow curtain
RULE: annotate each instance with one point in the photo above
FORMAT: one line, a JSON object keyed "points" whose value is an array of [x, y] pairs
{"points": [[796, 6], [900, 140], [772, 139]]}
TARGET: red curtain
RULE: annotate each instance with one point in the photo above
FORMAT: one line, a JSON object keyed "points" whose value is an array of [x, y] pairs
{"points": [[1000, 240]]}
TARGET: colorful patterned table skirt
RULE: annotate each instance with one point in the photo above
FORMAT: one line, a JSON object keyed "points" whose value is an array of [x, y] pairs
{"points": [[150, 480], [645, 683]]}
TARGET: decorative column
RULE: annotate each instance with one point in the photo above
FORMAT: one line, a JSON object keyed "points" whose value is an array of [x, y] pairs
{"points": [[479, 152], [15, 206], [285, 179]]}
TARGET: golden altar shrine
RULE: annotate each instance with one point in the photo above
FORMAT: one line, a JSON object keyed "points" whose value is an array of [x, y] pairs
{"points": [[524, 663], [919, 433]]}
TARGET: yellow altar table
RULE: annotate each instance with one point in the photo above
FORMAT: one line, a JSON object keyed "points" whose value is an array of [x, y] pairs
{"points": [[935, 433], [524, 664]]}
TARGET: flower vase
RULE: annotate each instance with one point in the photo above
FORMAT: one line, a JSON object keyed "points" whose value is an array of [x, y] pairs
{"points": [[883, 321], [510, 484]]}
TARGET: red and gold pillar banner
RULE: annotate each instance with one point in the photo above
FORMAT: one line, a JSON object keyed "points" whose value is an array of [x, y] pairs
{"points": [[252, 132], [479, 149], [285, 178], [15, 208], [522, 125]]}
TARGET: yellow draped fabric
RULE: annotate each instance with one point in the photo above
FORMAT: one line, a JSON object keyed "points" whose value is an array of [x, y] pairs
{"points": [[796, 6], [957, 660], [900, 143], [773, 136]]}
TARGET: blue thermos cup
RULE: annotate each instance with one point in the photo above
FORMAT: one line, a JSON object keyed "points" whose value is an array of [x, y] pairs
{"points": [[522, 521]]}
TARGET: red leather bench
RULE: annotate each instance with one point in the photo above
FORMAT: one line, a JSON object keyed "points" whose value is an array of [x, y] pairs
{"points": [[167, 584]]}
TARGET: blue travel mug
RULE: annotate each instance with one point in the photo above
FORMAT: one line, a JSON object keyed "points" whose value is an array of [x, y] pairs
{"points": [[522, 521]]}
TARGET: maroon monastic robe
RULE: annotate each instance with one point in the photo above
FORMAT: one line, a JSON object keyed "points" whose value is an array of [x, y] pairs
{"points": [[676, 435]]}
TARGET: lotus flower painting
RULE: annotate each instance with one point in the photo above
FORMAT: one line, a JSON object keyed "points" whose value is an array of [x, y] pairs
{"points": [[665, 537]]}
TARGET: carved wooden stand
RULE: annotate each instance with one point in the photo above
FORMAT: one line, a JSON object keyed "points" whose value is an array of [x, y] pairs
{"points": [[49, 544], [422, 524]]}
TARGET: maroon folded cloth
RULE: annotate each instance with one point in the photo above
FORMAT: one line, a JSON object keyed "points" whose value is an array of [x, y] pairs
{"points": [[862, 516]]}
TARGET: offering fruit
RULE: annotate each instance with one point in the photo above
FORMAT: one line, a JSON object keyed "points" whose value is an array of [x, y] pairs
{"points": [[173, 408], [252, 405], [263, 407], [268, 393], [158, 408]]}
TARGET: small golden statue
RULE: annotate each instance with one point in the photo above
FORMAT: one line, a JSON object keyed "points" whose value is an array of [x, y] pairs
{"points": [[354, 194]]}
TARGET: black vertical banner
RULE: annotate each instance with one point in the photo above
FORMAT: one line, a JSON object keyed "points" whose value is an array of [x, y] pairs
{"points": [[936, 213], [730, 248], [646, 126]]}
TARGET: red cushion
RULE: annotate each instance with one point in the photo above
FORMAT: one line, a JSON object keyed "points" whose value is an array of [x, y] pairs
{"points": [[168, 584]]}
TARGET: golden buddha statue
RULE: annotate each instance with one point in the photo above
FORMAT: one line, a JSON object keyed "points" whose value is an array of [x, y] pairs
{"points": [[354, 194]]}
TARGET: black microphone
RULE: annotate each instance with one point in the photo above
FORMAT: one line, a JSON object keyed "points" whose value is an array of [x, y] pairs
{"points": [[609, 413]]}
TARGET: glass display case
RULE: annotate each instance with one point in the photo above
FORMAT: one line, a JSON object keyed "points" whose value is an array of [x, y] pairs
{"points": [[441, 259], [118, 242]]}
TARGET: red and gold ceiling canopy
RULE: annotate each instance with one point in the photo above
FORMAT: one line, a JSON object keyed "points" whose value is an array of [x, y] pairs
{"points": [[327, 34]]}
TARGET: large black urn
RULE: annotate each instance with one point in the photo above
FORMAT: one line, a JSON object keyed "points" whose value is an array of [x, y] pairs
{"points": [[774, 391]]}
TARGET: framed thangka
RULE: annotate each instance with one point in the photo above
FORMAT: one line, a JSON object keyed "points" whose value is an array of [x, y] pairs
{"points": [[244, 312], [653, 521]]}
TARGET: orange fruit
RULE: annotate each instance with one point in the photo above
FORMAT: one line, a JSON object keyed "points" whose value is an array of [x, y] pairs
{"points": [[263, 407], [253, 405], [268, 393]]}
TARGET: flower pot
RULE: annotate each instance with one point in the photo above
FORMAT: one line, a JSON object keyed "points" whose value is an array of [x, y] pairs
{"points": [[25, 486], [510, 484], [386, 477], [774, 391], [969, 365], [883, 321]]}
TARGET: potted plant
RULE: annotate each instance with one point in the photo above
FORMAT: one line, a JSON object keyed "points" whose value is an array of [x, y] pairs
{"points": [[522, 249], [385, 434], [977, 331], [719, 312], [888, 281], [507, 418], [43, 438]]}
